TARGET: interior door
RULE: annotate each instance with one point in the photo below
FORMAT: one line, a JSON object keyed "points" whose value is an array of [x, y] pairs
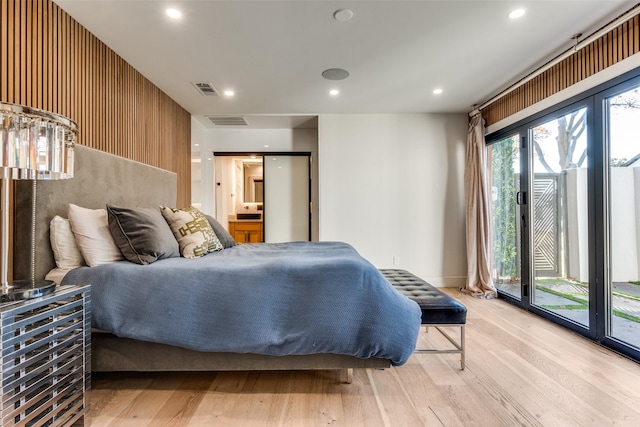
{"points": [[287, 197]]}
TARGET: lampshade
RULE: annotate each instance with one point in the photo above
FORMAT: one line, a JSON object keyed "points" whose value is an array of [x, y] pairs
{"points": [[35, 144]]}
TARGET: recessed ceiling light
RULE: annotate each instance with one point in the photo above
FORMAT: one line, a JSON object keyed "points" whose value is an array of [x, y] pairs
{"points": [[437, 91], [266, 146], [343, 15], [229, 93], [516, 13], [335, 74], [334, 92], [173, 13], [196, 145]]}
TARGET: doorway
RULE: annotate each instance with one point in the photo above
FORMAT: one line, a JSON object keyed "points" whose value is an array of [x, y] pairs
{"points": [[264, 197]]}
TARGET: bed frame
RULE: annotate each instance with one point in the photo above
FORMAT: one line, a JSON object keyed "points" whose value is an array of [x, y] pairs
{"points": [[102, 178]]}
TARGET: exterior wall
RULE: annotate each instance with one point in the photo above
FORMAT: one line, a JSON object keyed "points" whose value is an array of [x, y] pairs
{"points": [[625, 224], [625, 244], [577, 225]]}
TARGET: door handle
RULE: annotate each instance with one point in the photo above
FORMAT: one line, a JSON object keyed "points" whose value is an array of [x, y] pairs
{"points": [[521, 198]]}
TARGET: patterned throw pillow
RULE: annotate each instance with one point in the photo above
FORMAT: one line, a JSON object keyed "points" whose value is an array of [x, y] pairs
{"points": [[192, 231]]}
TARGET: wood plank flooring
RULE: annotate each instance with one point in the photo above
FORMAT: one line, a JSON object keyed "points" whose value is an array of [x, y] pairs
{"points": [[521, 371]]}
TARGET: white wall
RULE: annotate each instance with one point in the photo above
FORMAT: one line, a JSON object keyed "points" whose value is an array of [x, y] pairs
{"points": [[197, 169], [625, 221], [392, 185], [578, 224]]}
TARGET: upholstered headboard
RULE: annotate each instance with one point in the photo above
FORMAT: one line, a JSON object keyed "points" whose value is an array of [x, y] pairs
{"points": [[99, 178]]}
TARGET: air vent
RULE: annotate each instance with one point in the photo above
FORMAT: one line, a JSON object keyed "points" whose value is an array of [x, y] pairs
{"points": [[206, 89], [227, 120]]}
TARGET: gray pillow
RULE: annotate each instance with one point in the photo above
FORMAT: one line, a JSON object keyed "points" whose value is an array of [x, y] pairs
{"points": [[142, 234], [224, 236]]}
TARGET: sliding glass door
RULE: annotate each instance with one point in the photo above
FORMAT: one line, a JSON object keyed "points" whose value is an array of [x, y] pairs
{"points": [[565, 188], [559, 212], [622, 115], [504, 182]]}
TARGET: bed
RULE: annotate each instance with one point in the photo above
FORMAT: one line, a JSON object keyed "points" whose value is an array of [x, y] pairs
{"points": [[290, 306]]}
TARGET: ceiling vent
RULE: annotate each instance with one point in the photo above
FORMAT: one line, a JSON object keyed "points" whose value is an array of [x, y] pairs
{"points": [[228, 120], [206, 89]]}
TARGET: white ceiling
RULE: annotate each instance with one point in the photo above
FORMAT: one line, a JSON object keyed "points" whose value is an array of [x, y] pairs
{"points": [[272, 53]]}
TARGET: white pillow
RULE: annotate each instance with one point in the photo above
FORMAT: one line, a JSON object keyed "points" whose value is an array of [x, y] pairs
{"points": [[63, 243], [91, 230], [56, 274]]}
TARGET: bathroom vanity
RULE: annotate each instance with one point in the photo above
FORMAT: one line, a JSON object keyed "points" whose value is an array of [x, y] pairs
{"points": [[246, 230]]}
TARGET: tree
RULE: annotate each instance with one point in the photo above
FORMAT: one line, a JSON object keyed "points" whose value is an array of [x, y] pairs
{"points": [[570, 129], [503, 156]]}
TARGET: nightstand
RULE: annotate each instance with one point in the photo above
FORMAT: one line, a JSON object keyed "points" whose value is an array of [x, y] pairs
{"points": [[46, 358]]}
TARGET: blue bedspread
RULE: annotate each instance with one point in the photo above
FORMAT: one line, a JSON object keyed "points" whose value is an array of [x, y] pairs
{"points": [[270, 298]]}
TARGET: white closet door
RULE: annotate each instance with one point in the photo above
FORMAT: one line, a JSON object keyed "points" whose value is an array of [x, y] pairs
{"points": [[286, 198]]}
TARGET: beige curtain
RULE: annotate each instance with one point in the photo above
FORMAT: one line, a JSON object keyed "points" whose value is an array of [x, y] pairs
{"points": [[479, 282]]}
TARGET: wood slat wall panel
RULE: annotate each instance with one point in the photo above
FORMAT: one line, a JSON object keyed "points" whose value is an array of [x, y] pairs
{"points": [[614, 46], [49, 61]]}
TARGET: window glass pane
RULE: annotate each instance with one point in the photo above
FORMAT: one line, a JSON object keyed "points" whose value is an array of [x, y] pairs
{"points": [[560, 224], [504, 158], [624, 216]]}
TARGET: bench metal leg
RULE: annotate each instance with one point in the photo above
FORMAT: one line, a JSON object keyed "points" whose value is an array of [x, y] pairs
{"points": [[459, 345]]}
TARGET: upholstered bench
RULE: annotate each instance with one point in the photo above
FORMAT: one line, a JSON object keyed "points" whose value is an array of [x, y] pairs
{"points": [[438, 309]]}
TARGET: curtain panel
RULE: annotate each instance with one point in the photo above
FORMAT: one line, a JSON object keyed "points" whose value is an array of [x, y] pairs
{"points": [[478, 224]]}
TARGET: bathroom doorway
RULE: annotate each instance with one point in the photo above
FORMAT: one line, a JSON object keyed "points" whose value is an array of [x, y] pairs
{"points": [[264, 197]]}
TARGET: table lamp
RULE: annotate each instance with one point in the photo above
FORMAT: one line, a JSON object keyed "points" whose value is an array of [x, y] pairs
{"points": [[34, 145]]}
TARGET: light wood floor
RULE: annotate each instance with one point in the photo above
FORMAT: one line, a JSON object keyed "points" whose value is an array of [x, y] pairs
{"points": [[521, 370]]}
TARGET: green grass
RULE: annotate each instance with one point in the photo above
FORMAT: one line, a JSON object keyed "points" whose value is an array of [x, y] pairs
{"points": [[566, 307], [561, 281], [620, 294], [570, 297], [626, 316], [635, 283], [582, 304], [555, 281]]}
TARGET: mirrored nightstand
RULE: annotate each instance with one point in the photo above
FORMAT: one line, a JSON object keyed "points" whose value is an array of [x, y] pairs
{"points": [[46, 358]]}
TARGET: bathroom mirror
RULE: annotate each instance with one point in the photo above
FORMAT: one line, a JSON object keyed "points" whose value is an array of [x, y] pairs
{"points": [[252, 182]]}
